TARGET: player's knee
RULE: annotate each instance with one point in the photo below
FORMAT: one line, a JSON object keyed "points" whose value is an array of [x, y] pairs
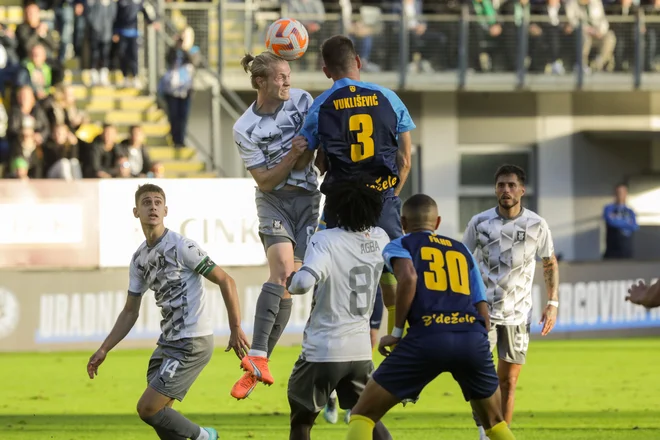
{"points": [[280, 275], [146, 409]]}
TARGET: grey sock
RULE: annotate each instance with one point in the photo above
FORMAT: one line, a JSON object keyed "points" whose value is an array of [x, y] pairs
{"points": [[268, 306], [169, 421], [281, 320], [167, 435], [476, 419]]}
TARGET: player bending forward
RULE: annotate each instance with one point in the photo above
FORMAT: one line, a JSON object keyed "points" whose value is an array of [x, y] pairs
{"points": [[441, 296], [287, 199], [345, 264], [506, 240], [172, 266]]}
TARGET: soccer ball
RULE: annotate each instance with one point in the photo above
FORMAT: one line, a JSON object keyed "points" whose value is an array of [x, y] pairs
{"points": [[287, 38]]}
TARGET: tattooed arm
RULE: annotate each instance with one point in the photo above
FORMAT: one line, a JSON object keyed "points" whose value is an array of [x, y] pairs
{"points": [[551, 278]]}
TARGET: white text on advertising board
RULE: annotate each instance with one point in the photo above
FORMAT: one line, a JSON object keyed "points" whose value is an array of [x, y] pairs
{"points": [[596, 305], [85, 317], [219, 214]]}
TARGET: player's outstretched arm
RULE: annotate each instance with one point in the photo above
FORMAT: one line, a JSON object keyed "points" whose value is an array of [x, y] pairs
{"points": [[482, 309], [125, 322], [403, 160], [406, 277], [237, 339], [551, 279]]}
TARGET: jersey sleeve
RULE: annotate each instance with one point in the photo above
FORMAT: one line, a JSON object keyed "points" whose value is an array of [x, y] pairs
{"points": [[477, 287], [395, 249], [194, 258], [404, 121], [318, 260], [545, 247], [251, 154], [136, 282], [310, 128], [470, 236]]}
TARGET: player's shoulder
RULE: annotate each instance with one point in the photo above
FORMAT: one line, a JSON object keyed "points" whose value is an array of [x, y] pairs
{"points": [[484, 216], [388, 93], [323, 236], [248, 119], [300, 95], [379, 233], [139, 251], [534, 217]]}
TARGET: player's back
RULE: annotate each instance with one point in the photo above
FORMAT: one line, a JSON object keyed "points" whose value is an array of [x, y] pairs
{"points": [[348, 266], [358, 125], [449, 284]]}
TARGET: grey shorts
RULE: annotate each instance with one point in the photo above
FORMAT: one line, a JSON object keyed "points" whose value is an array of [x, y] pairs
{"points": [[311, 383], [511, 341], [288, 216], [175, 365]]}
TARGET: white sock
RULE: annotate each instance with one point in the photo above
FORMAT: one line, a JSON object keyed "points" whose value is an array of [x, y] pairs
{"points": [[258, 353], [203, 434], [482, 433], [333, 395]]}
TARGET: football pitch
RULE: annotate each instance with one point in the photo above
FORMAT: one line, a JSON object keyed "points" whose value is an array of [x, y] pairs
{"points": [[588, 389]]}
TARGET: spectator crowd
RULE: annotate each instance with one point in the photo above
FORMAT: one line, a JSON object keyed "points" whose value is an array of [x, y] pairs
{"points": [[608, 33], [41, 128]]}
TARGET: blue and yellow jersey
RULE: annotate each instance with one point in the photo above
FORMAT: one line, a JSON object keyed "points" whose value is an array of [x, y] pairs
{"points": [[449, 284], [358, 125]]}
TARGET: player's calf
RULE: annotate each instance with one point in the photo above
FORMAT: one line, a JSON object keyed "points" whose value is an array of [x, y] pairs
{"points": [[155, 410], [489, 411]]}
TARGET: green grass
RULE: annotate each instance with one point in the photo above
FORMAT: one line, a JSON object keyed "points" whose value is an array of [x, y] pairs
{"points": [[568, 390]]}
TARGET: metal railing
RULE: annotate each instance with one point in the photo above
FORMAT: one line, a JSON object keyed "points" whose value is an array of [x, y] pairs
{"points": [[456, 49]]}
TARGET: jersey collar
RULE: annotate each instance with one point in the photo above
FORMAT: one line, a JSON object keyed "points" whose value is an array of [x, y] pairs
{"points": [[497, 211]]}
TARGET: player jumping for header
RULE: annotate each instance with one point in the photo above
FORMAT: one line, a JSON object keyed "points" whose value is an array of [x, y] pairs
{"points": [[506, 240], [345, 264], [287, 199], [364, 131], [172, 266], [441, 295]]}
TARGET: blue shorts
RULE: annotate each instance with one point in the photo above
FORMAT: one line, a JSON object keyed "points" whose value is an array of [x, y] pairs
{"points": [[377, 314], [418, 359], [389, 221]]}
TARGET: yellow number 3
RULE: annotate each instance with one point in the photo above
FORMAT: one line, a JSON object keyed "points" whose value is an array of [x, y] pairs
{"points": [[448, 270], [364, 126]]}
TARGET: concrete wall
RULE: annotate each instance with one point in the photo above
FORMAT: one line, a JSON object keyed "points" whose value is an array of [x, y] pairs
{"points": [[574, 173]]}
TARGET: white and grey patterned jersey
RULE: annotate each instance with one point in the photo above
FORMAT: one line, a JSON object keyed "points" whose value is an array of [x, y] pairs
{"points": [[173, 270], [347, 267], [506, 250], [263, 140]]}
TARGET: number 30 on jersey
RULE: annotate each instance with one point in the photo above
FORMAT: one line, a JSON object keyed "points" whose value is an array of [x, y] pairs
{"points": [[363, 126], [447, 271]]}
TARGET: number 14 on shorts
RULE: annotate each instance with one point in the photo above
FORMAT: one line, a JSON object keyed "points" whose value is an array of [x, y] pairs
{"points": [[169, 367]]}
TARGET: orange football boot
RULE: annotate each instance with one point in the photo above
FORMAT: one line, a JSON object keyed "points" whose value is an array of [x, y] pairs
{"points": [[244, 386], [258, 366]]}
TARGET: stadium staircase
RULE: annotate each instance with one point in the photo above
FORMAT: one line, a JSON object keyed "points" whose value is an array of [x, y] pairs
{"points": [[124, 107]]}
